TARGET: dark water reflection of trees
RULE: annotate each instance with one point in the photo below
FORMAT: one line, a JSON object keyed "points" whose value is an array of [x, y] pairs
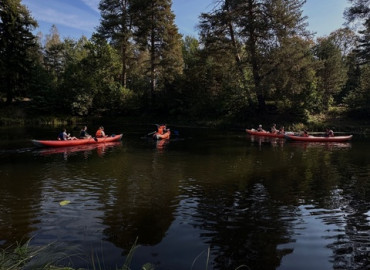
{"points": [[245, 198], [246, 220]]}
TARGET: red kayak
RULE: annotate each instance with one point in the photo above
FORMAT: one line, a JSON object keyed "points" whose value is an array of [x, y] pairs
{"points": [[319, 139], [264, 133], [57, 143], [77, 148]]}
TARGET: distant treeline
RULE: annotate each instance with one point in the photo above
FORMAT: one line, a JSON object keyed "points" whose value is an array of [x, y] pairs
{"points": [[251, 56]]}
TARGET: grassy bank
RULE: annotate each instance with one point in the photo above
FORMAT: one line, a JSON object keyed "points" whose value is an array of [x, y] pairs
{"points": [[337, 119], [24, 256]]}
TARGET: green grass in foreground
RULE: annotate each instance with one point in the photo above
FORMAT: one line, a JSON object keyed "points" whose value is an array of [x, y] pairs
{"points": [[24, 256]]}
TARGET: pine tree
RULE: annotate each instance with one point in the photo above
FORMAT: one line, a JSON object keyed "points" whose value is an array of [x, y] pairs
{"points": [[116, 26], [259, 27], [157, 33], [360, 11], [16, 46]]}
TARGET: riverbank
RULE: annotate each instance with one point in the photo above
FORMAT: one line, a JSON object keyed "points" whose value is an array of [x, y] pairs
{"points": [[337, 119]]}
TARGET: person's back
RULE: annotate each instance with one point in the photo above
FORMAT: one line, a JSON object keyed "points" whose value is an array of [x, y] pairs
{"points": [[100, 133], [61, 136], [260, 129], [329, 133], [273, 129], [84, 134]]}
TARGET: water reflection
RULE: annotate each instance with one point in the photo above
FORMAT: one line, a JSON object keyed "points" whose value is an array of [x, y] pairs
{"points": [[265, 204], [67, 151]]}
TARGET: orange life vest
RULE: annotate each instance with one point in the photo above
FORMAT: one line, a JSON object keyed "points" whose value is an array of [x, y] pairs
{"points": [[99, 133]]}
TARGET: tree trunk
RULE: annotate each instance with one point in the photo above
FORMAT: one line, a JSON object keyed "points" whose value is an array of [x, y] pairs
{"points": [[124, 59], [254, 59], [152, 59], [237, 56]]}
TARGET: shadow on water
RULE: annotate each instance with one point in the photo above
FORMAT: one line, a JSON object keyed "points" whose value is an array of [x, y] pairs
{"points": [[263, 203]]}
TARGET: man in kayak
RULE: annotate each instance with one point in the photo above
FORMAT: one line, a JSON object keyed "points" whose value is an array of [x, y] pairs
{"points": [[84, 134], [63, 136]]}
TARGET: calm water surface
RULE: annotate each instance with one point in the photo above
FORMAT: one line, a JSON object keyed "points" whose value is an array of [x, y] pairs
{"points": [[264, 204]]}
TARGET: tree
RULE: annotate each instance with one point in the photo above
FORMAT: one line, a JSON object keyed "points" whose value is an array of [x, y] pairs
{"points": [[293, 85], [331, 70], [116, 25], [157, 33], [359, 81], [17, 45], [54, 59], [91, 83], [360, 12], [259, 27]]}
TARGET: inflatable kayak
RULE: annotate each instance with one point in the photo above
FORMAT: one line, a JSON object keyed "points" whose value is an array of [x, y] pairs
{"points": [[77, 148], [57, 143], [264, 133], [319, 139]]}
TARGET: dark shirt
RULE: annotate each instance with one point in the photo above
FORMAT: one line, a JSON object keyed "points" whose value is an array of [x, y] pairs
{"points": [[60, 136], [83, 134]]}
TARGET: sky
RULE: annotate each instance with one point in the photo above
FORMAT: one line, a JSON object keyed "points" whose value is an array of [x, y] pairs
{"points": [[74, 18]]}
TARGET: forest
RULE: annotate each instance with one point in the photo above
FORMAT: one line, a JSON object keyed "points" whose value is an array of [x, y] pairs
{"points": [[251, 58]]}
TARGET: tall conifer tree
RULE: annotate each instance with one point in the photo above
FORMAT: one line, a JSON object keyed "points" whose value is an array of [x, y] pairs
{"points": [[259, 27], [156, 32], [17, 44], [116, 25]]}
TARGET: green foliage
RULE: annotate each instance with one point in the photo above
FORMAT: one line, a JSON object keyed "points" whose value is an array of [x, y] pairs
{"points": [[17, 48], [359, 14], [252, 57], [331, 71], [157, 34], [359, 99]]}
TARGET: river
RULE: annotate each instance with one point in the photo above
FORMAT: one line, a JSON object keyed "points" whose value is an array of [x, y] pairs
{"points": [[207, 199]]}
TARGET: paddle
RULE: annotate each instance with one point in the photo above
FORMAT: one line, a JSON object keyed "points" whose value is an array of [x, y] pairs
{"points": [[151, 133]]}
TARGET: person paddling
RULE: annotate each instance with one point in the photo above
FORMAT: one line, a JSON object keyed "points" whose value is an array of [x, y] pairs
{"points": [[84, 134], [273, 129], [100, 133], [260, 129], [329, 133], [281, 130], [64, 136]]}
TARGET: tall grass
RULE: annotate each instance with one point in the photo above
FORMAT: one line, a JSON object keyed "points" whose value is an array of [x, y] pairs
{"points": [[24, 257]]}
